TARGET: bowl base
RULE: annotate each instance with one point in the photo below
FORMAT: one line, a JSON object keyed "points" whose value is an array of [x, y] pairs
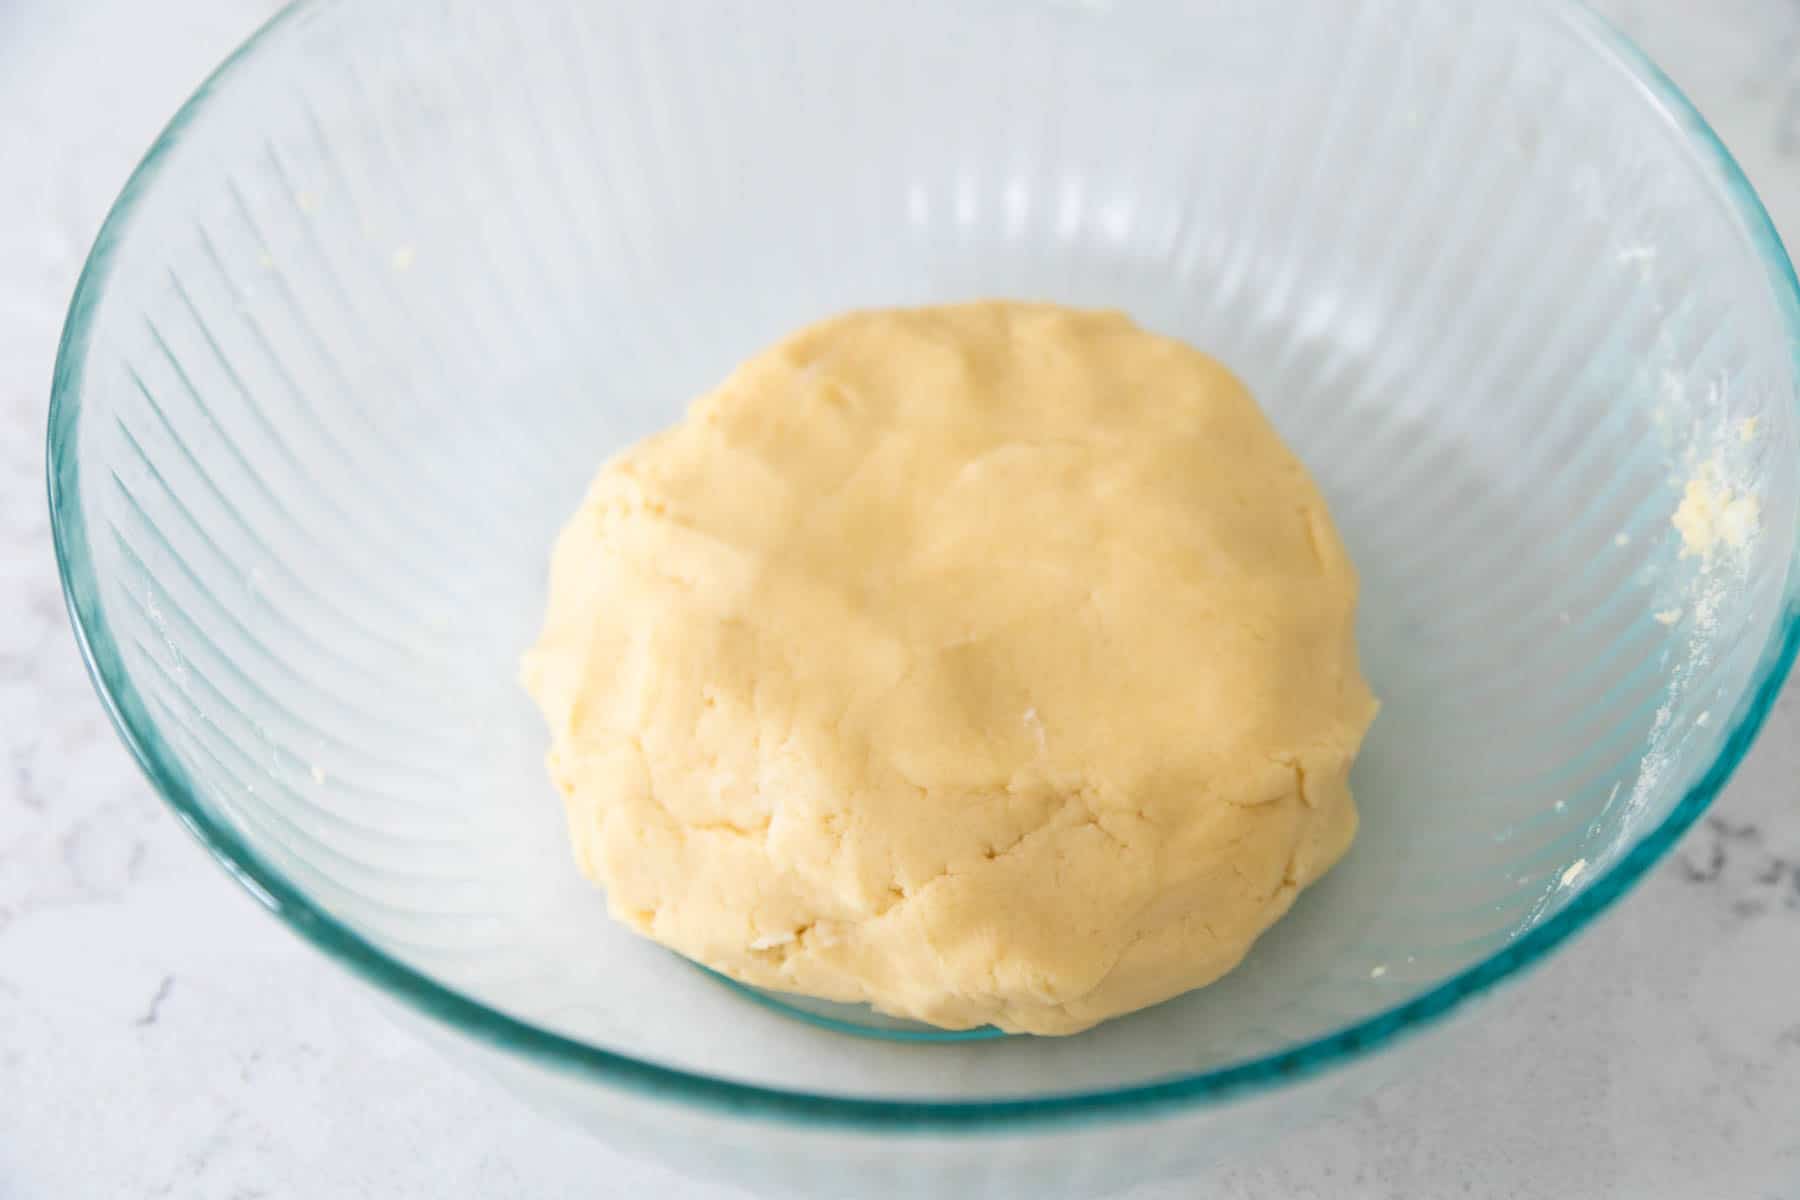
{"points": [[857, 1019]]}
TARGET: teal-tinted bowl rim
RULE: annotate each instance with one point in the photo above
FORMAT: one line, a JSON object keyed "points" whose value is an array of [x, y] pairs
{"points": [[288, 901]]}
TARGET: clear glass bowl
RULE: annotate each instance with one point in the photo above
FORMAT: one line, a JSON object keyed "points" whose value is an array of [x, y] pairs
{"points": [[401, 275]]}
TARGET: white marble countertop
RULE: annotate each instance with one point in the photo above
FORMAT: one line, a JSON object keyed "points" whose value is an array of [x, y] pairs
{"points": [[160, 1035]]}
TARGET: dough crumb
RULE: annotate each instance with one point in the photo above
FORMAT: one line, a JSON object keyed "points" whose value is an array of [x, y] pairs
{"points": [[1713, 514]]}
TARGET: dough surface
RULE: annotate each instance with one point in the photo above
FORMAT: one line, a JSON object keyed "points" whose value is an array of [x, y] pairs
{"points": [[989, 664]]}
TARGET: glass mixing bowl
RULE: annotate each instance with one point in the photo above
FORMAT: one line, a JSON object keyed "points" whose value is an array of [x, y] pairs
{"points": [[401, 275]]}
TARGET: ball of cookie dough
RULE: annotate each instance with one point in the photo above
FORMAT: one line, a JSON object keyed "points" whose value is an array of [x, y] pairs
{"points": [[990, 664]]}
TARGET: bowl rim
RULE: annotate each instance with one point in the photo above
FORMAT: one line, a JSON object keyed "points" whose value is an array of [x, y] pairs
{"points": [[726, 1097]]}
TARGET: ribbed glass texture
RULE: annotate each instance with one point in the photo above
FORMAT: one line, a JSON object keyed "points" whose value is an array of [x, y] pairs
{"points": [[403, 274]]}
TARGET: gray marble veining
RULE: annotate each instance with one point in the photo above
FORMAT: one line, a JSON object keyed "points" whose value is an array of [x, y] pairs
{"points": [[160, 1036]]}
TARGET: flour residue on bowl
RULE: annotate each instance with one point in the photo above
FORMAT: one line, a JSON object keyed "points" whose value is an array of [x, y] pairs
{"points": [[1694, 577]]}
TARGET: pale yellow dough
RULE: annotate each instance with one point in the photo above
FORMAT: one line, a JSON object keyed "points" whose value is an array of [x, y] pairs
{"points": [[991, 664]]}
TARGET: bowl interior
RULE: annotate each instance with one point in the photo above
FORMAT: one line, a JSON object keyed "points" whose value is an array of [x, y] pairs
{"points": [[390, 294]]}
